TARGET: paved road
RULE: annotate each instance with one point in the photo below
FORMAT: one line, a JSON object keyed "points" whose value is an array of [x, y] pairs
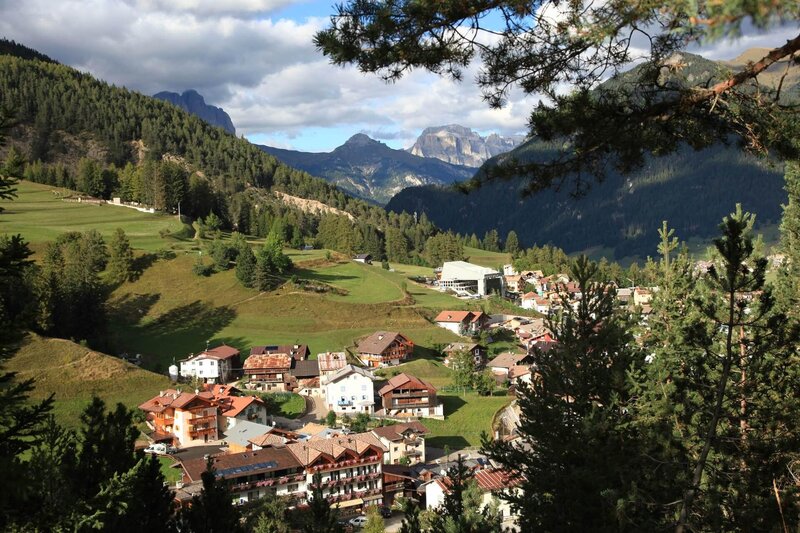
{"points": [[315, 410]]}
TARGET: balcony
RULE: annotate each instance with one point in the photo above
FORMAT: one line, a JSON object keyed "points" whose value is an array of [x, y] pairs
{"points": [[342, 402], [197, 420], [199, 432], [412, 441], [345, 464]]}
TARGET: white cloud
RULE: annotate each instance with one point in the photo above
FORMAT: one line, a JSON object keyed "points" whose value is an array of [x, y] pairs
{"points": [[262, 69]]}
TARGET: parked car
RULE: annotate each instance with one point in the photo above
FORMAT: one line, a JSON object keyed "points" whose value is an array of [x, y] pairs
{"points": [[386, 512], [159, 448], [359, 521]]}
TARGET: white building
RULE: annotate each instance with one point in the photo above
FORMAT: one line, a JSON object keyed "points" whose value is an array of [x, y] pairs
{"points": [[350, 391], [492, 483], [466, 279], [212, 366]]}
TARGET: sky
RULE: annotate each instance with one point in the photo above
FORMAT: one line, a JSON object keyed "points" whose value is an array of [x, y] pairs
{"points": [[256, 60]]}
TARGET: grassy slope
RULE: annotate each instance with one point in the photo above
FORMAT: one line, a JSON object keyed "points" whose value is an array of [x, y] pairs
{"points": [[168, 312], [40, 216], [74, 373]]}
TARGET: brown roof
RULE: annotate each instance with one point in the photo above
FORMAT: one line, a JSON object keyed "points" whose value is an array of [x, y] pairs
{"points": [[234, 405], [395, 431], [308, 368], [492, 479], [307, 452], [259, 361], [461, 346], [221, 352], [518, 371], [269, 439], [254, 462], [331, 361], [404, 379], [506, 360], [378, 342], [296, 351], [174, 399]]}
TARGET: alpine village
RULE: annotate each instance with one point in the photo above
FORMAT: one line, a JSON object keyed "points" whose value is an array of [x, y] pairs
{"points": [[425, 266]]}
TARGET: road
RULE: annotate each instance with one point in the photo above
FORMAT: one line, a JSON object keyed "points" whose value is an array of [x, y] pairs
{"points": [[315, 410]]}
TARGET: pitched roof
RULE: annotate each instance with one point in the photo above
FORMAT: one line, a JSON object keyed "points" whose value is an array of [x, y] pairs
{"points": [[493, 479], [506, 360], [222, 351], [269, 439], [311, 429], [350, 369], [296, 351], [244, 430], [517, 371], [404, 380], [217, 390], [453, 316], [307, 368], [252, 462], [307, 452], [395, 432], [232, 406], [331, 361], [259, 361], [174, 399], [461, 346], [379, 341]]}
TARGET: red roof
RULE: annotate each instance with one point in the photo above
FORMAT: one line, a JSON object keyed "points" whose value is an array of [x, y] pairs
{"points": [[454, 316], [492, 479], [173, 399]]}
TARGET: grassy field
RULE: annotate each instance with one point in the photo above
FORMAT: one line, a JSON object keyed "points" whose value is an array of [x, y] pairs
{"points": [[41, 216], [291, 405], [171, 474], [466, 417], [75, 373], [487, 259]]}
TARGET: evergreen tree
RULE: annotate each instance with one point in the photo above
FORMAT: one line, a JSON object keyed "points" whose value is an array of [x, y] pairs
{"points": [[512, 243], [270, 515], [320, 517], [396, 246], [788, 285], [463, 365], [246, 267], [212, 511], [491, 241], [120, 261], [575, 418]]}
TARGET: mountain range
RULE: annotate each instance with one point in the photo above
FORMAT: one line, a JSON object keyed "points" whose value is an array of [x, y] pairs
{"points": [[692, 190], [461, 146], [195, 104], [371, 170]]}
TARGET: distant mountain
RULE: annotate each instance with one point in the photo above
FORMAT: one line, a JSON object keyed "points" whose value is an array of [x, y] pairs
{"points": [[461, 146], [195, 104], [690, 189], [370, 169]]}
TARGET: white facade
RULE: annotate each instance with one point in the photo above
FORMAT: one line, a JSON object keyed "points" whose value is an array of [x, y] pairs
{"points": [[467, 279], [209, 369], [455, 327], [350, 391]]}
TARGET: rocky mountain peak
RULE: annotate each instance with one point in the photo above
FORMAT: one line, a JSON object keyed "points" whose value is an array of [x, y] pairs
{"points": [[459, 145], [194, 103]]}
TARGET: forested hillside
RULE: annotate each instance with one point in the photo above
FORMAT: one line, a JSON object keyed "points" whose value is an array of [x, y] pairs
{"points": [[691, 189], [75, 131]]}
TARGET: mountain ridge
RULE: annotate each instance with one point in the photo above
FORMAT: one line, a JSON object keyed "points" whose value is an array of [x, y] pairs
{"points": [[370, 169], [193, 102], [460, 145]]}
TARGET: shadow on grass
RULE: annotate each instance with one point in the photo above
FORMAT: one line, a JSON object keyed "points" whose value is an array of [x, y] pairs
{"points": [[451, 404], [131, 307], [454, 442]]}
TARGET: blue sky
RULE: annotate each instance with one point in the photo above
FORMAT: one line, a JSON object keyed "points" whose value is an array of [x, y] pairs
{"points": [[256, 60]]}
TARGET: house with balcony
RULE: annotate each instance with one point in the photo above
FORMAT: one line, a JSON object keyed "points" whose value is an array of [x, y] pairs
{"points": [[384, 348], [268, 372], [492, 482], [350, 391], [408, 396], [211, 366], [478, 352], [405, 442], [254, 474], [350, 466], [182, 418], [462, 322]]}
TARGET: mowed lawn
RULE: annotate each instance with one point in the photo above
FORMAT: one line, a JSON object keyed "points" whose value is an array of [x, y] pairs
{"points": [[41, 216], [75, 373]]}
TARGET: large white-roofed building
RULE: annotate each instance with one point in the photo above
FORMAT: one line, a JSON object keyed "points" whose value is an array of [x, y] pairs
{"points": [[466, 279]]}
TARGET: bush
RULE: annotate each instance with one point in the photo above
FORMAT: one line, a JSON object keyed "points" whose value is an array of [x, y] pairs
{"points": [[201, 269], [385, 265]]}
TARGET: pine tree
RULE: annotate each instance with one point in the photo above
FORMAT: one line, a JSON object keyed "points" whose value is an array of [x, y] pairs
{"points": [[574, 415], [320, 517], [788, 284], [512, 243], [246, 267], [120, 261], [212, 511]]}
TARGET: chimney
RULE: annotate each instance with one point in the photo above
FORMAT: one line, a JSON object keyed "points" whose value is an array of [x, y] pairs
{"points": [[161, 394], [197, 391]]}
